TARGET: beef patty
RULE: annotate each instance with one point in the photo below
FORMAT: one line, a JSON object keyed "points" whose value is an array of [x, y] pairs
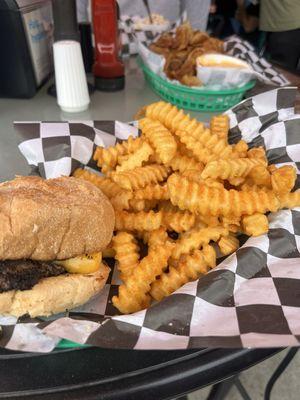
{"points": [[24, 274]]}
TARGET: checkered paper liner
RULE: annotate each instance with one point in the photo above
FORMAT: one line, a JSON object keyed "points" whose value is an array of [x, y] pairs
{"points": [[130, 36], [252, 299]]}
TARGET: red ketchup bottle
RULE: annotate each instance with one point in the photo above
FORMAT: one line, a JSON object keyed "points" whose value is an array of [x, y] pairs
{"points": [[108, 69]]}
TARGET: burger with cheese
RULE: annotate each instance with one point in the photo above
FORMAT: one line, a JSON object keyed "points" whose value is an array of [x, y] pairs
{"points": [[52, 233]]}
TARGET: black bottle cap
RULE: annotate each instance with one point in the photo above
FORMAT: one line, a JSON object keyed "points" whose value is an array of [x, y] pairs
{"points": [[110, 84], [65, 20]]}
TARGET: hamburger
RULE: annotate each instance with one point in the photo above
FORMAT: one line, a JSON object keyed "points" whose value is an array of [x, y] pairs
{"points": [[52, 233]]}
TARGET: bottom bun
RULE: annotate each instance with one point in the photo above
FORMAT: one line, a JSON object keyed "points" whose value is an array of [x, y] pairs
{"points": [[53, 295]]}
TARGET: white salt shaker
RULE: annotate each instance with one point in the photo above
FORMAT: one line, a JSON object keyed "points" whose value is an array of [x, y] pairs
{"points": [[70, 79]]}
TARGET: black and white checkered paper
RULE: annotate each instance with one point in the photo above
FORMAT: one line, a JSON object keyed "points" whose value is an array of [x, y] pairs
{"points": [[252, 299], [130, 36]]}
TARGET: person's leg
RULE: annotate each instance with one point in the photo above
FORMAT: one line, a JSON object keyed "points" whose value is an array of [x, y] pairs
{"points": [[284, 48]]}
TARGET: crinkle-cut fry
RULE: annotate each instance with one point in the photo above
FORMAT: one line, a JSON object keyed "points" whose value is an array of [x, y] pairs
{"points": [[127, 253], [290, 200], [136, 158], [197, 238], [202, 199], [207, 220], [233, 224], [178, 221], [108, 187], [205, 152], [255, 225], [157, 237], [167, 114], [160, 138], [133, 294], [240, 149], [140, 177], [283, 179], [123, 158], [196, 176], [260, 176], [236, 181], [219, 125], [174, 119], [122, 200], [142, 205], [230, 169], [272, 168], [152, 192], [228, 244], [189, 269], [184, 151], [257, 152], [216, 146], [183, 163], [140, 221], [109, 156], [249, 185], [199, 152]]}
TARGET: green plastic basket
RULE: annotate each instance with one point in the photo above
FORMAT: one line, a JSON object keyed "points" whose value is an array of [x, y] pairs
{"points": [[191, 99], [68, 344]]}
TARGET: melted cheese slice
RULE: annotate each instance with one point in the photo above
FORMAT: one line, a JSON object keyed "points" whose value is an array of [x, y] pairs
{"points": [[85, 264]]}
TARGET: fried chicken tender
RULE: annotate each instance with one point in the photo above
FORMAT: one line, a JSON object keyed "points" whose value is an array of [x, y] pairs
{"points": [[108, 187], [109, 156], [197, 238], [190, 80], [182, 163], [219, 125], [255, 224], [230, 169], [202, 199], [189, 269], [228, 244], [160, 138], [140, 221], [140, 177], [152, 192], [283, 179], [136, 158], [127, 253], [133, 294]]}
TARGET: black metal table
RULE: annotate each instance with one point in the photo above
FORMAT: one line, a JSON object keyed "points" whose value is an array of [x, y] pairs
{"points": [[93, 373]]}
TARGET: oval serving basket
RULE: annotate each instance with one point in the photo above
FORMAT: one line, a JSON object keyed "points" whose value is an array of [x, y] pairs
{"points": [[191, 99]]}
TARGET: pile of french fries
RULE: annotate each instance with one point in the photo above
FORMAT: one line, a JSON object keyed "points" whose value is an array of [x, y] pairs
{"points": [[184, 192]]}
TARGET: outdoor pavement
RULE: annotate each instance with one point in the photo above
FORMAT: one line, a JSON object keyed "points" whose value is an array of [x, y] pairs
{"points": [[255, 379]]}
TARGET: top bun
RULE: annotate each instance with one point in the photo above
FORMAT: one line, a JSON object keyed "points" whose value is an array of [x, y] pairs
{"points": [[53, 219]]}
